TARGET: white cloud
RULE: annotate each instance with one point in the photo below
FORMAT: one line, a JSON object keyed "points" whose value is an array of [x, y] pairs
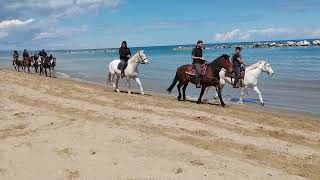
{"points": [[232, 36], [59, 33], [54, 6], [266, 34], [15, 23], [7, 26], [268, 31]]}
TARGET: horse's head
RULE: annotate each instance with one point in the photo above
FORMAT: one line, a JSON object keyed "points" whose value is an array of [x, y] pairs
{"points": [[266, 67], [142, 58], [224, 62]]}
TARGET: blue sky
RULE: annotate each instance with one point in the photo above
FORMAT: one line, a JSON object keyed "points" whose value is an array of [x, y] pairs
{"points": [[74, 24]]}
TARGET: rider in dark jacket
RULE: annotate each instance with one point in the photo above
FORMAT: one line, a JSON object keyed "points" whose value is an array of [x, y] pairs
{"points": [[197, 58], [42, 53], [237, 61], [25, 54], [125, 55], [15, 56]]}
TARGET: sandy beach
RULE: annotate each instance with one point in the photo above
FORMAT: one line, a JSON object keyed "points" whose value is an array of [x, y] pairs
{"points": [[56, 129]]}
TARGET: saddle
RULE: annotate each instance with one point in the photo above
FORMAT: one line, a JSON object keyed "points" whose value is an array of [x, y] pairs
{"points": [[192, 71], [120, 65]]}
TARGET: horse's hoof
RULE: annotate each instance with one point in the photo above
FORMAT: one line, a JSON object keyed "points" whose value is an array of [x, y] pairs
{"points": [[262, 103], [117, 90], [129, 92], [179, 98], [240, 102], [223, 105], [198, 102], [184, 99], [142, 93]]}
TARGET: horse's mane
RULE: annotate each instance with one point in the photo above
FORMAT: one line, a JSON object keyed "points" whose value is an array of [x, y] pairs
{"points": [[225, 56], [254, 66]]}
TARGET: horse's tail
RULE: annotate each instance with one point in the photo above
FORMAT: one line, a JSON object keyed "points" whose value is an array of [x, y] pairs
{"points": [[109, 77], [173, 84]]}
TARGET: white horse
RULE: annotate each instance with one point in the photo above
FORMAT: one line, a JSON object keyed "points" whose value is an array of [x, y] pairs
{"points": [[131, 72], [252, 73]]}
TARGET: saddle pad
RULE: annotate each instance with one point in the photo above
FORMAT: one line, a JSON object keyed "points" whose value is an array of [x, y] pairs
{"points": [[192, 71]]}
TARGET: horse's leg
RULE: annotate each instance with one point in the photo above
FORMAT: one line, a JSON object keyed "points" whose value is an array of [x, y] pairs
{"points": [[184, 91], [139, 82], [50, 71], [255, 88], [206, 94], [112, 80], [129, 85], [179, 87], [219, 90], [241, 96], [45, 70], [201, 93], [117, 83]]}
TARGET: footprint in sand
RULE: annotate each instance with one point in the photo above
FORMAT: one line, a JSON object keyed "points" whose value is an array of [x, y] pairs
{"points": [[72, 174], [121, 140], [65, 153]]}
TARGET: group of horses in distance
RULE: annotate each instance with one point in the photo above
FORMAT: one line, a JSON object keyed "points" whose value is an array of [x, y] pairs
{"points": [[216, 74], [41, 65]]}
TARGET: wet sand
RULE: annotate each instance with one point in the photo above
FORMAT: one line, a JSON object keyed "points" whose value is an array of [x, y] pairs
{"points": [[52, 128]]}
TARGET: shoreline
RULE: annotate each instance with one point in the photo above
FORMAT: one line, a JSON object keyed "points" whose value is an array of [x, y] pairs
{"points": [[251, 107], [86, 131], [255, 107]]}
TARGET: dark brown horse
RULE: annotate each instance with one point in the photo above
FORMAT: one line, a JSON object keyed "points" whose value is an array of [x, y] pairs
{"points": [[27, 63], [210, 77], [17, 64], [35, 64], [45, 64]]}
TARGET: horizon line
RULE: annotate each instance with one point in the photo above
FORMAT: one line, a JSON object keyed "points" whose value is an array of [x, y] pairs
{"points": [[186, 44]]}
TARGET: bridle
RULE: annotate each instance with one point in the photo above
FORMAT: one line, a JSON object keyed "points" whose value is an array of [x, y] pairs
{"points": [[141, 57], [264, 69]]}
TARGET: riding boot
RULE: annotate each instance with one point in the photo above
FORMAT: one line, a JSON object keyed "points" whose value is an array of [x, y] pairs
{"points": [[122, 72], [235, 83], [199, 81]]}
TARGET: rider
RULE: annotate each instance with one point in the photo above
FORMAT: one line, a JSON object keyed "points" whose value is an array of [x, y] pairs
{"points": [[35, 57], [25, 54], [15, 56], [51, 58], [125, 55], [197, 61], [237, 61], [42, 53]]}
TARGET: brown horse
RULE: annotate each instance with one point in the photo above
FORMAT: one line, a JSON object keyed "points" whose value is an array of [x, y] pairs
{"points": [[17, 64], [210, 77], [45, 64], [27, 63]]}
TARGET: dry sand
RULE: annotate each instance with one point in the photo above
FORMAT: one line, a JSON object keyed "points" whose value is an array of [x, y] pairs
{"points": [[61, 129]]}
